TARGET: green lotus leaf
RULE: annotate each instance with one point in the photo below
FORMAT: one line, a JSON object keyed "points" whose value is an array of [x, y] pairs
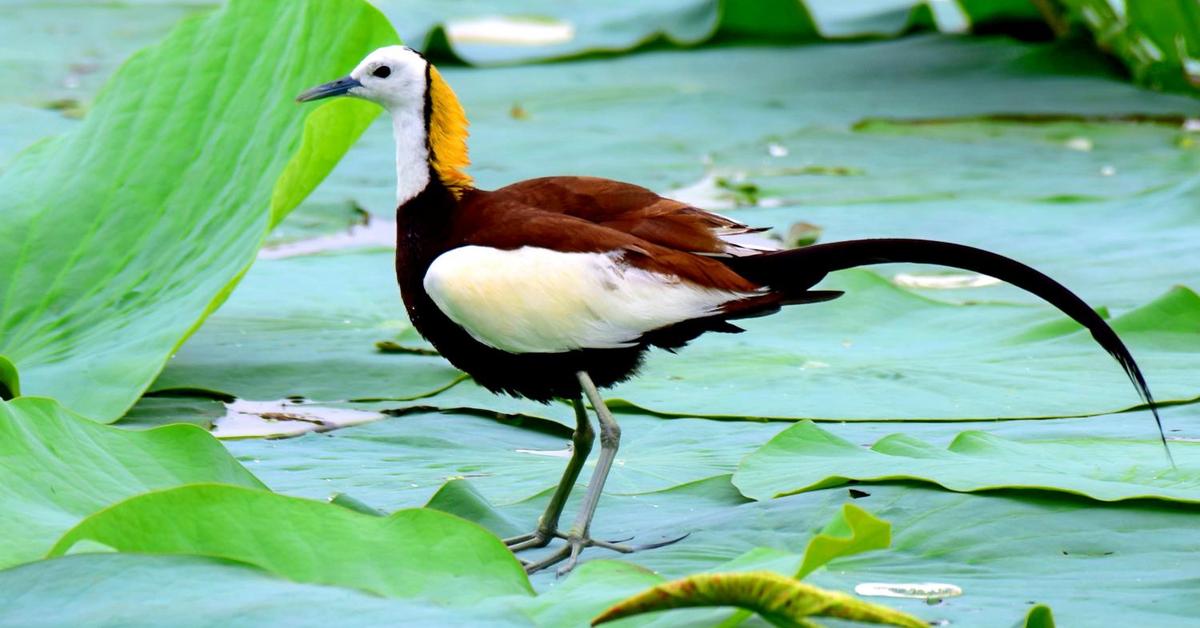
{"points": [[882, 353], [137, 589], [119, 237], [401, 461], [414, 553], [805, 457], [1158, 42], [853, 531], [1003, 550], [59, 468]]}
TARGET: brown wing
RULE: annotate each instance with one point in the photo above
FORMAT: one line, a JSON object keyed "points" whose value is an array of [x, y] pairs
{"points": [[589, 215], [634, 210], [507, 221]]}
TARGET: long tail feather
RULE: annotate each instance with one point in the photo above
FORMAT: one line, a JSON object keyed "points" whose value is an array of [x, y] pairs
{"points": [[800, 269]]}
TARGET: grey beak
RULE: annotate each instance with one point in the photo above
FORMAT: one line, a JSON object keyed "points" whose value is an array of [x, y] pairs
{"points": [[334, 88]]}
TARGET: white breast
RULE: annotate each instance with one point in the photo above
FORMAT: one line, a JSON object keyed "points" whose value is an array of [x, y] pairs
{"points": [[536, 300]]}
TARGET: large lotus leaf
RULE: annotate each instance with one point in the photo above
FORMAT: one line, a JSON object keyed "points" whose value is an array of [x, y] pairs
{"points": [[60, 53], [1114, 188], [880, 352], [59, 467], [1006, 551], [1158, 41], [414, 553], [1010, 551], [308, 326], [155, 411], [149, 590], [401, 461], [138, 589], [805, 457], [121, 236]]}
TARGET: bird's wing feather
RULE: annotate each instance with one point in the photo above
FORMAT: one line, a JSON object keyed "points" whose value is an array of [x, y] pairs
{"points": [[509, 222], [634, 210], [524, 280]]}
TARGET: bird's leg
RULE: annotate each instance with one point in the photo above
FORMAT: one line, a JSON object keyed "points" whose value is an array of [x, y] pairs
{"points": [[577, 537], [547, 527]]}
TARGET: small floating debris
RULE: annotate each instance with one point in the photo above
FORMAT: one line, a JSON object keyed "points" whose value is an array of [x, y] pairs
{"points": [[705, 194], [776, 149], [802, 234], [1081, 144], [375, 233], [946, 281], [551, 453], [913, 590], [507, 30], [284, 417]]}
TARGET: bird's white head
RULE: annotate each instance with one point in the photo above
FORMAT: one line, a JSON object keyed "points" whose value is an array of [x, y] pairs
{"points": [[394, 77], [428, 122]]}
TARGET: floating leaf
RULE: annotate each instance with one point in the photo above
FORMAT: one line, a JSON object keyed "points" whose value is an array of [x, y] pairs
{"points": [[780, 600], [1040, 616], [59, 467], [121, 236], [883, 353], [415, 553], [853, 531], [139, 589], [805, 457]]}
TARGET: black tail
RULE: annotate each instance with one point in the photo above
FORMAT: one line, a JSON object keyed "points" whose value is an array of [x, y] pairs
{"points": [[797, 270]]}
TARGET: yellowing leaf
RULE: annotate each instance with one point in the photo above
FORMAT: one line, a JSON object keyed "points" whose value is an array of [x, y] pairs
{"points": [[780, 600]]}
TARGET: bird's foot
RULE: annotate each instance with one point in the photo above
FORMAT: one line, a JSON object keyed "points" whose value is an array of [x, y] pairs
{"points": [[574, 547], [537, 538]]}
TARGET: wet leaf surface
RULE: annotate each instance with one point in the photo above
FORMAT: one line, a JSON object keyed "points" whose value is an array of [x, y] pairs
{"points": [[60, 467], [307, 327], [805, 457], [413, 553]]}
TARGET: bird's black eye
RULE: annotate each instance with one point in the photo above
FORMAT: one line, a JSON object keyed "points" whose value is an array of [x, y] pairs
{"points": [[382, 71]]}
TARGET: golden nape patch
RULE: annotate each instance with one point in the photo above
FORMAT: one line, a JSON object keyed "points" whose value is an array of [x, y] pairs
{"points": [[447, 134]]}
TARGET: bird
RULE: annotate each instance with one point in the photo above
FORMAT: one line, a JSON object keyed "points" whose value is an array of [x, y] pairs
{"points": [[557, 287]]}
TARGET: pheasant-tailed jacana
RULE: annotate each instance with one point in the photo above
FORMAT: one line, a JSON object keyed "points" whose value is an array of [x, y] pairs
{"points": [[556, 287]]}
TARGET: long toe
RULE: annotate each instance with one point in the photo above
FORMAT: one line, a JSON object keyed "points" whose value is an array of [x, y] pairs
{"points": [[534, 539], [573, 549]]}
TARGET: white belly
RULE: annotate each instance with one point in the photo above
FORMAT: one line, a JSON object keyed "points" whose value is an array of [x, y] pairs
{"points": [[536, 300]]}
